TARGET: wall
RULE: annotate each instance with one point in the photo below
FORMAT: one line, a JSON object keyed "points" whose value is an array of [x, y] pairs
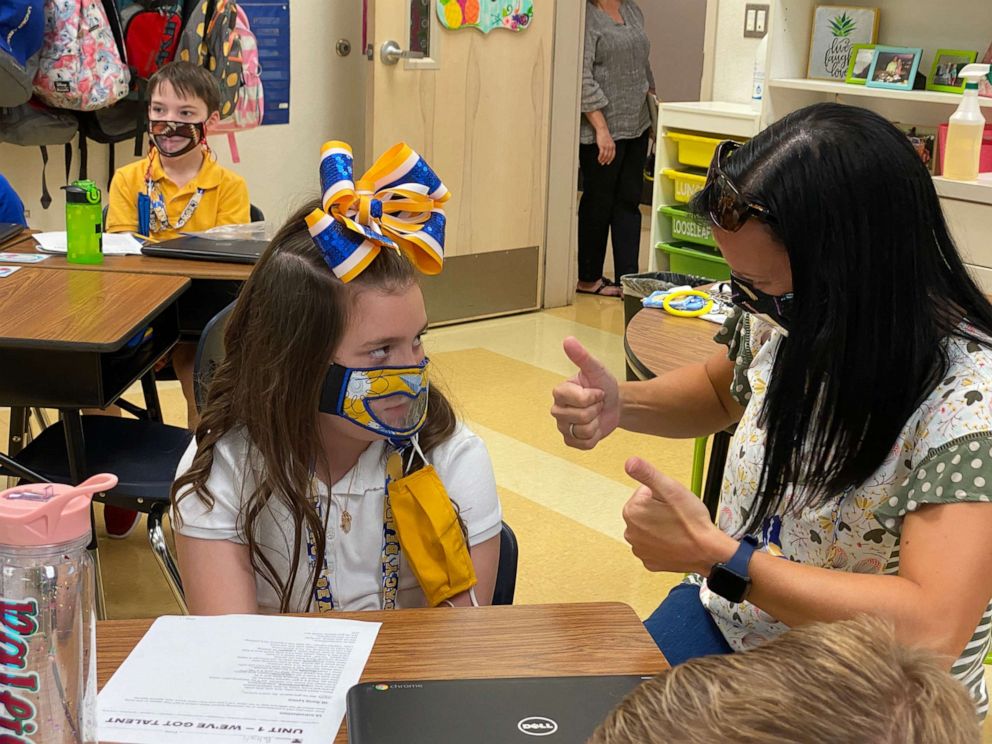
{"points": [[279, 161], [733, 56], [676, 30]]}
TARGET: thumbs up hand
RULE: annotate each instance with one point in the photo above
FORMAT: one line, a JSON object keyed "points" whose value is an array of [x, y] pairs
{"points": [[668, 527], [586, 406]]}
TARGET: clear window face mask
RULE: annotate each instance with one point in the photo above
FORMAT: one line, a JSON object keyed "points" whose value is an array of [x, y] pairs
{"points": [[391, 401]]}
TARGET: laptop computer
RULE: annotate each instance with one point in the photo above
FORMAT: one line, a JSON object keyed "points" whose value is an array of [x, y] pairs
{"points": [[565, 710], [206, 249], [9, 230]]}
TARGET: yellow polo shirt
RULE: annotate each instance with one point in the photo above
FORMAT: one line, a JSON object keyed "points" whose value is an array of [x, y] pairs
{"points": [[224, 201]]}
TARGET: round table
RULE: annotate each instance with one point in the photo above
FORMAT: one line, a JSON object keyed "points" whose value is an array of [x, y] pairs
{"points": [[656, 342]]}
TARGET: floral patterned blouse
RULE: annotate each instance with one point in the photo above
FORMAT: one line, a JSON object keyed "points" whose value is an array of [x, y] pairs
{"points": [[943, 455]]}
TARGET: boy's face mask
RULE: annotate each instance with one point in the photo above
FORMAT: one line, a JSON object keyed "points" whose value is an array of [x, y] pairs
{"points": [[168, 136], [429, 532], [390, 401], [776, 309]]}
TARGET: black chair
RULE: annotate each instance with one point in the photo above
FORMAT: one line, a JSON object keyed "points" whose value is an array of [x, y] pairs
{"points": [[506, 571], [209, 355], [143, 454]]}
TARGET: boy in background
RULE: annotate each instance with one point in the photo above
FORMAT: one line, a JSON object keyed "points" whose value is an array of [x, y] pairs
{"points": [[179, 187]]}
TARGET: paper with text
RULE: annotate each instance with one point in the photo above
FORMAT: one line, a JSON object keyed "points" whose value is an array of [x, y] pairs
{"points": [[236, 678]]}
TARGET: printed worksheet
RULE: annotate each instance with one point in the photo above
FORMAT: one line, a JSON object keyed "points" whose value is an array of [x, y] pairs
{"points": [[236, 678]]}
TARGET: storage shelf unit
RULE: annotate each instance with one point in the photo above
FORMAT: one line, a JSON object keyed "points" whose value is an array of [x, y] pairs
{"points": [[860, 91], [706, 118], [951, 24]]}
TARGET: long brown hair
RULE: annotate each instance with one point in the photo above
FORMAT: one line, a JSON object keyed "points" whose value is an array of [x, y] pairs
{"points": [[286, 325]]}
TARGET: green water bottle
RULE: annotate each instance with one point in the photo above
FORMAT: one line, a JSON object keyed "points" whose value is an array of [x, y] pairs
{"points": [[83, 223]]}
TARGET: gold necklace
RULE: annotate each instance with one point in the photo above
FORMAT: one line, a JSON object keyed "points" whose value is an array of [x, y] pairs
{"points": [[345, 514]]}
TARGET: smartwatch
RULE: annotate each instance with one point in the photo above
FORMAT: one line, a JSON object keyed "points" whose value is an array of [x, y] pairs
{"points": [[731, 580]]}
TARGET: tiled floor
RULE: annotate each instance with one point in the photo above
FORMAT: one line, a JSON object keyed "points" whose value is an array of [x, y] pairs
{"points": [[564, 505]]}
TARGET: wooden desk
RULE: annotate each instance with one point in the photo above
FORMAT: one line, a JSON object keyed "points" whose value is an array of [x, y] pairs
{"points": [[63, 342], [215, 284], [63, 334], [657, 342], [467, 642], [135, 264]]}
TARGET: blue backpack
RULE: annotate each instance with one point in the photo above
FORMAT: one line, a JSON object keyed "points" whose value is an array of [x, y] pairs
{"points": [[22, 30]]}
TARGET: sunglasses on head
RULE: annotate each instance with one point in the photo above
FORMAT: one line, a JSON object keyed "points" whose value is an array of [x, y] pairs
{"points": [[728, 207]]}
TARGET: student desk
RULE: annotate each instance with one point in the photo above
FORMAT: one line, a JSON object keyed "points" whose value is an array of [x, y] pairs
{"points": [[656, 342], [214, 284], [471, 642], [64, 344]]}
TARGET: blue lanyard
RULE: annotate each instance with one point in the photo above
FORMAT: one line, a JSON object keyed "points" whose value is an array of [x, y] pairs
{"points": [[389, 561]]}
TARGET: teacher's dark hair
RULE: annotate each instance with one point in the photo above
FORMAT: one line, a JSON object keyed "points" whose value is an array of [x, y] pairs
{"points": [[879, 286]]}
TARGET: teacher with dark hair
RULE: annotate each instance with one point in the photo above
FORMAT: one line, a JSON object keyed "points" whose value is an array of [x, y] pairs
{"points": [[616, 120], [858, 374]]}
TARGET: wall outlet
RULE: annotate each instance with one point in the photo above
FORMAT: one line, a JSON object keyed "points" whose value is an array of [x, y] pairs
{"points": [[755, 20], [27, 214]]}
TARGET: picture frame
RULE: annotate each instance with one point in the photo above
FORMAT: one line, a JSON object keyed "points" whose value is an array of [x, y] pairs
{"points": [[894, 68], [947, 63], [835, 31], [858, 68]]}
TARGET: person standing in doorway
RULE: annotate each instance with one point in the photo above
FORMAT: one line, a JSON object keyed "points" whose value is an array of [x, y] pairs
{"points": [[616, 121]]}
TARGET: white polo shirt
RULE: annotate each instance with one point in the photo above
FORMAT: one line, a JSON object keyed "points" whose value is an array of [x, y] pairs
{"points": [[462, 462]]}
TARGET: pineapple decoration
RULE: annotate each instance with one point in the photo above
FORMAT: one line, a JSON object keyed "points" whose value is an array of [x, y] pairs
{"points": [[485, 15], [838, 54]]}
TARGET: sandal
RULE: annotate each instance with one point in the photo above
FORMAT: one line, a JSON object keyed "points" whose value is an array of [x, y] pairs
{"points": [[604, 283]]}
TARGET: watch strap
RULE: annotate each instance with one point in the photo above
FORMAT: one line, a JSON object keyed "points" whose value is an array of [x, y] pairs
{"points": [[742, 557]]}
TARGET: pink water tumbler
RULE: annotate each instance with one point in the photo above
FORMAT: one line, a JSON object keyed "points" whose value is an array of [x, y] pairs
{"points": [[47, 613]]}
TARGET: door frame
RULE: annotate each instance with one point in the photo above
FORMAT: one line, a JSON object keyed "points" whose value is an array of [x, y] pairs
{"points": [[561, 224], [561, 230]]}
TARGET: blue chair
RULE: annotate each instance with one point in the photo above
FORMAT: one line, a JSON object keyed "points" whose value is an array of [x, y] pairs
{"points": [[506, 570]]}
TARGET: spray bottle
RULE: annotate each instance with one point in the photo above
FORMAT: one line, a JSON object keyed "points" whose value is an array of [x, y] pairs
{"points": [[967, 126]]}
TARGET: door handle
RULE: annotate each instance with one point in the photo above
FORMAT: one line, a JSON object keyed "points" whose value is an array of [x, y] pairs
{"points": [[391, 53]]}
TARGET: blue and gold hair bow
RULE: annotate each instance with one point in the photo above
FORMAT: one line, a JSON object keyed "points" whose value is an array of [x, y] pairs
{"points": [[396, 204]]}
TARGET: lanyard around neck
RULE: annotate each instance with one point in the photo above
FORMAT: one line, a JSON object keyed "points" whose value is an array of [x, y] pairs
{"points": [[389, 560]]}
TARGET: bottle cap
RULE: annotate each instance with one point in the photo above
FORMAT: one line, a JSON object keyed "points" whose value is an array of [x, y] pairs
{"points": [[36, 514], [82, 192]]}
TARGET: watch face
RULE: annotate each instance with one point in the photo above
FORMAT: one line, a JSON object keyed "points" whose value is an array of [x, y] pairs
{"points": [[727, 584]]}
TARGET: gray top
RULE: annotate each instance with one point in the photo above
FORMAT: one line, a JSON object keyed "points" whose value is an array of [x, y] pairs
{"points": [[616, 72]]}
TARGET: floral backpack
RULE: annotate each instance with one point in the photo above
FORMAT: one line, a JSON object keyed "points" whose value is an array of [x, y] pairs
{"points": [[249, 102], [80, 67]]}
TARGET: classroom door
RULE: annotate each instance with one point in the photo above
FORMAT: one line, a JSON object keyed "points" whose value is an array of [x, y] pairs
{"points": [[477, 108]]}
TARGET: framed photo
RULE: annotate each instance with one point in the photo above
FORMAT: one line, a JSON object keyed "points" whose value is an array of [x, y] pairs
{"points": [[836, 29], [894, 68], [985, 86], [946, 66], [860, 64], [924, 141]]}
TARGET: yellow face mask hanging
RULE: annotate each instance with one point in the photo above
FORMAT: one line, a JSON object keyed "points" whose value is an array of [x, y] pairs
{"points": [[430, 535]]}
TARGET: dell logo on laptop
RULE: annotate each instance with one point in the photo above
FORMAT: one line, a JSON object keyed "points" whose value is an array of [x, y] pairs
{"points": [[537, 726]]}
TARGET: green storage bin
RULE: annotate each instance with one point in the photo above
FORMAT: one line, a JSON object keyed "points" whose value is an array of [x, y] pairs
{"points": [[689, 258], [686, 227]]}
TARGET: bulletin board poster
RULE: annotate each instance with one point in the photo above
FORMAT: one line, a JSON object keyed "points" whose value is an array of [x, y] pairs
{"points": [[485, 15], [269, 23]]}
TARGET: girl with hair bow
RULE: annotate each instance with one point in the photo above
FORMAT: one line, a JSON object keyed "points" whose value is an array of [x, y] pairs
{"points": [[327, 472]]}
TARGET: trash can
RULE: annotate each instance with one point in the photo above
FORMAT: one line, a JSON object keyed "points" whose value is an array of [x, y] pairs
{"points": [[638, 286]]}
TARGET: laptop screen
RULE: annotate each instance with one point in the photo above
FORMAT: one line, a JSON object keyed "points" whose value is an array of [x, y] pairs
{"points": [[483, 711]]}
